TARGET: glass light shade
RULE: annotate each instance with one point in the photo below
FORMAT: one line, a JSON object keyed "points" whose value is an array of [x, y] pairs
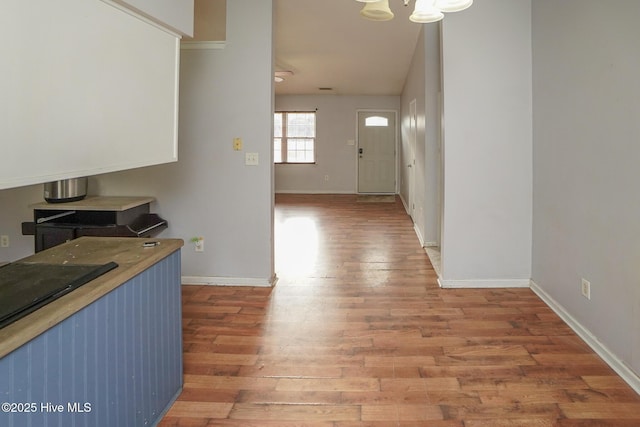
{"points": [[377, 11], [453, 5], [426, 12]]}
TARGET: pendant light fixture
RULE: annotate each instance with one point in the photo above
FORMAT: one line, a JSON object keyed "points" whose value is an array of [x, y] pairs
{"points": [[453, 5], [377, 10], [425, 11]]}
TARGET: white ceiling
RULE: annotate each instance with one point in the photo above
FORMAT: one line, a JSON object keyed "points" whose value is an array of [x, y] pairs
{"points": [[326, 43]]}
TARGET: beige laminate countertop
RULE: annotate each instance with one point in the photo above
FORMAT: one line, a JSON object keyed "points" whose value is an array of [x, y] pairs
{"points": [[96, 203], [132, 258]]}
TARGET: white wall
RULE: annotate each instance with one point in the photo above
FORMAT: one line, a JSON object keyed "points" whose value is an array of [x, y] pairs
{"points": [[14, 209], [414, 89], [486, 235], [210, 192], [423, 85], [433, 125], [336, 123], [586, 211]]}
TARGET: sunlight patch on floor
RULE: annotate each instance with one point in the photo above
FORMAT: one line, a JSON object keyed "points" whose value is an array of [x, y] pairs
{"points": [[297, 249]]}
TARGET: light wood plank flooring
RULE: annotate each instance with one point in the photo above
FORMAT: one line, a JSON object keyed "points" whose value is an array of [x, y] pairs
{"points": [[357, 333]]}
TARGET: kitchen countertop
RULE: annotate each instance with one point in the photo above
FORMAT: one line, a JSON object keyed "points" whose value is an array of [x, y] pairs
{"points": [[132, 258], [96, 203]]}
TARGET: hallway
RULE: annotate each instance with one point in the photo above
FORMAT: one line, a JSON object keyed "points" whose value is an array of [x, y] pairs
{"points": [[357, 332]]}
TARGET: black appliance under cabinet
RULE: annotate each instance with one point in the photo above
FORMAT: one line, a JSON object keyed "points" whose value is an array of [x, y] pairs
{"points": [[56, 223]]}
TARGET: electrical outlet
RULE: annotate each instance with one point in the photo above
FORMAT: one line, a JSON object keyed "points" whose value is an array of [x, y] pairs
{"points": [[4, 241], [237, 144], [586, 289], [326, 177], [199, 244]]}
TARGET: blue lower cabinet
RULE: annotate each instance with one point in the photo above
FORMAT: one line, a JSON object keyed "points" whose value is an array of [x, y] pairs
{"points": [[117, 362]]}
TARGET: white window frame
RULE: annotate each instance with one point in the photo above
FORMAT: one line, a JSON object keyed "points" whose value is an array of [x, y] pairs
{"points": [[284, 139]]}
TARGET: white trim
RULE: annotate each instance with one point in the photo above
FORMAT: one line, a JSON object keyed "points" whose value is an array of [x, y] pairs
{"points": [[176, 111], [419, 234], [484, 283], [416, 228], [607, 355], [406, 207], [144, 17], [229, 281], [313, 192], [435, 260], [413, 145], [195, 45]]}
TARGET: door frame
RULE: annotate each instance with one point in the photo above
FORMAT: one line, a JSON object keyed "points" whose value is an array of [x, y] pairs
{"points": [[395, 145], [413, 138]]}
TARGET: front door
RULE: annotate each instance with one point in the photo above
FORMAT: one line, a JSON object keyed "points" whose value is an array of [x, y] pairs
{"points": [[376, 152]]}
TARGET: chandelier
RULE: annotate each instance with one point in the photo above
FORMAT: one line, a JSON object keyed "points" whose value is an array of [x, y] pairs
{"points": [[425, 11]]}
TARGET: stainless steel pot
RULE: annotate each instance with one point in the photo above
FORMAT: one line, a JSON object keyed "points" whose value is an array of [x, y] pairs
{"points": [[65, 190]]}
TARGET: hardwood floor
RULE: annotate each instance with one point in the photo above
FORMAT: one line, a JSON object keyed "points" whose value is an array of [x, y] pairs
{"points": [[357, 333]]}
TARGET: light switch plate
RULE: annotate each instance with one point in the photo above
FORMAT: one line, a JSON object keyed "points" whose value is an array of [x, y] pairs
{"points": [[251, 159]]}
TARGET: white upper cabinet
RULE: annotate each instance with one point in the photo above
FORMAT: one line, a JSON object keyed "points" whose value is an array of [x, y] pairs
{"points": [[87, 87]]}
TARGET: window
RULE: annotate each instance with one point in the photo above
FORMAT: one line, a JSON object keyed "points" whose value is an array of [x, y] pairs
{"points": [[294, 139], [376, 121]]}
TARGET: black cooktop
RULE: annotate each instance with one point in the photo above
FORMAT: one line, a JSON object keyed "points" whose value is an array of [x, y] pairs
{"points": [[25, 287]]}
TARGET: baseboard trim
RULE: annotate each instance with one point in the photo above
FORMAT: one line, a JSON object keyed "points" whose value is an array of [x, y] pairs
{"points": [[202, 45], [169, 405], [405, 204], [313, 192], [430, 245], [484, 284], [419, 234], [607, 355], [229, 281]]}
